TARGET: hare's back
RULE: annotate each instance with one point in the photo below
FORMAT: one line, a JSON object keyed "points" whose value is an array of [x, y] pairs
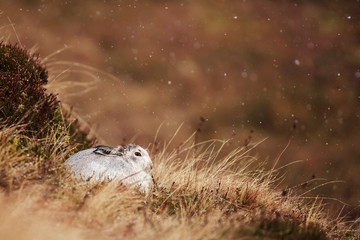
{"points": [[81, 156], [89, 165]]}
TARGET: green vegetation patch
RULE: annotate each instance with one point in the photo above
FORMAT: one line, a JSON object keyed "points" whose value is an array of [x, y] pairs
{"points": [[22, 94], [23, 98]]}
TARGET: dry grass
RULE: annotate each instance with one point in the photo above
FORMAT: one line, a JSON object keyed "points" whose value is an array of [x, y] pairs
{"points": [[201, 191], [166, 48], [198, 194]]}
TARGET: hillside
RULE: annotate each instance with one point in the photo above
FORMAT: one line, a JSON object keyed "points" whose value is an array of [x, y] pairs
{"points": [[252, 69], [200, 192]]}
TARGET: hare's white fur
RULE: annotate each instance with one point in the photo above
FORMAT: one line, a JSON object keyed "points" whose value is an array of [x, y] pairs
{"points": [[130, 164]]}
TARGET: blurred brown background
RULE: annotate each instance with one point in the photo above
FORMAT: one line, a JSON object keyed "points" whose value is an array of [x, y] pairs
{"points": [[250, 68]]}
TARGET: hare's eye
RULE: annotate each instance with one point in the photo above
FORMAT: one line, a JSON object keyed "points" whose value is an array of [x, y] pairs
{"points": [[138, 154]]}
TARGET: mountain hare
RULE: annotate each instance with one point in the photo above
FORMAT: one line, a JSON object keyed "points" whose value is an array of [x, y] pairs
{"points": [[129, 164]]}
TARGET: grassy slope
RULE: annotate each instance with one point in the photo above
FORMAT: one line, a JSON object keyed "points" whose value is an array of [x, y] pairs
{"points": [[197, 194]]}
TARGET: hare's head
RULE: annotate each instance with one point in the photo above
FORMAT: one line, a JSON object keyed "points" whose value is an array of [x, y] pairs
{"points": [[138, 156]]}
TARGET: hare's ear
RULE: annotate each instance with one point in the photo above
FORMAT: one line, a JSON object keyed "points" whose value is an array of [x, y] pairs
{"points": [[109, 151], [103, 150]]}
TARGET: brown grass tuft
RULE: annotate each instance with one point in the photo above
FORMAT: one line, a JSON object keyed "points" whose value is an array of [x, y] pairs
{"points": [[199, 193]]}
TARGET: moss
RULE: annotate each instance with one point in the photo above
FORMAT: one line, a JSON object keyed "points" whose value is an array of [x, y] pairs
{"points": [[35, 132], [275, 229]]}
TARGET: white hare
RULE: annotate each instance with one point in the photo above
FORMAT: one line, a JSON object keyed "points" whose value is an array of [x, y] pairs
{"points": [[130, 164]]}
